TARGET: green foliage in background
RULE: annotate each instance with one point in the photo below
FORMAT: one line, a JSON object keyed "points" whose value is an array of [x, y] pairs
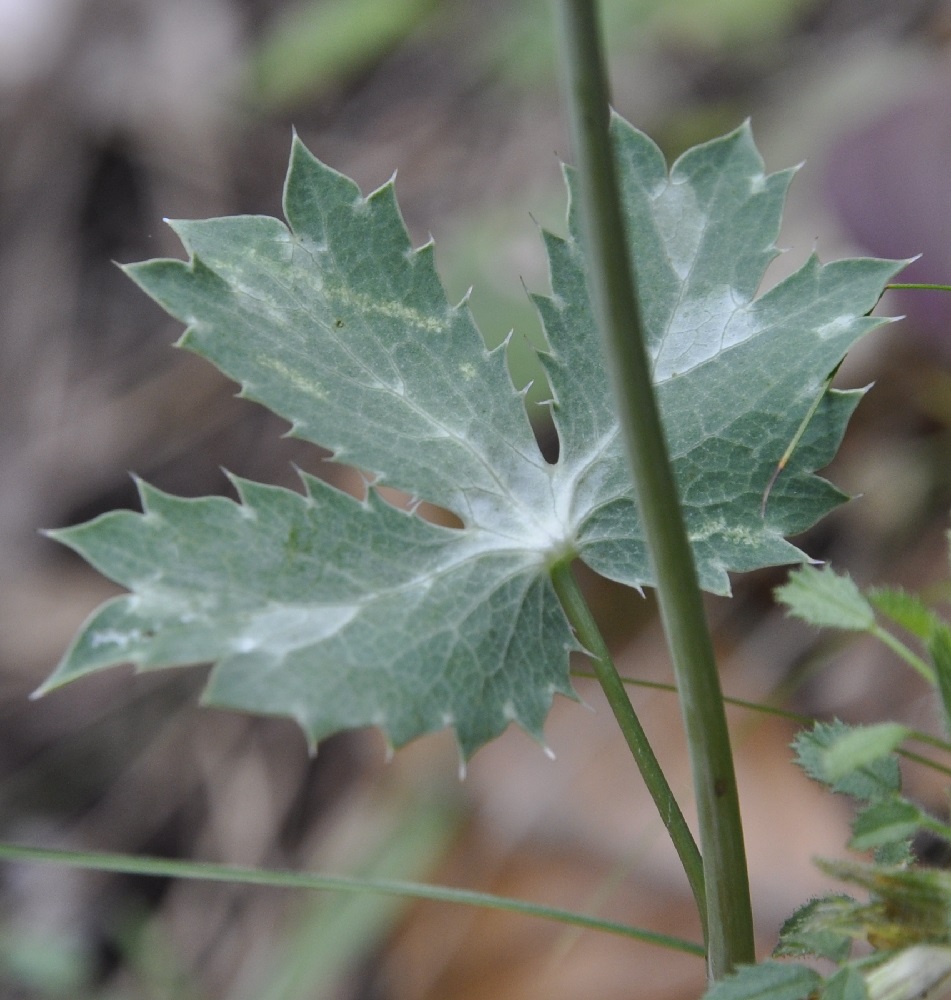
{"points": [[312, 46], [904, 919]]}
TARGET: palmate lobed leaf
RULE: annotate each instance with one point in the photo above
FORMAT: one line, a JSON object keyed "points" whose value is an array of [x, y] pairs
{"points": [[342, 613]]}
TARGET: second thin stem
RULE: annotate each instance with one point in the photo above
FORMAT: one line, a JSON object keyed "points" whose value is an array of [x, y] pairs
{"points": [[579, 614]]}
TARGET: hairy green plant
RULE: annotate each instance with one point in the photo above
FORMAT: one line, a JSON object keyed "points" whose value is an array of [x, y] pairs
{"points": [[676, 390], [905, 921]]}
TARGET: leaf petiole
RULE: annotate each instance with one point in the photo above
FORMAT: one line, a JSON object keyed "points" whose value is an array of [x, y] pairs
{"points": [[579, 615], [903, 652]]}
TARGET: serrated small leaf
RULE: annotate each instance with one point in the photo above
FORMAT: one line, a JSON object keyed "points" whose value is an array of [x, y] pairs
{"points": [[939, 649], [906, 610], [815, 929], [891, 821], [342, 613], [824, 598], [859, 747], [873, 776], [767, 981]]}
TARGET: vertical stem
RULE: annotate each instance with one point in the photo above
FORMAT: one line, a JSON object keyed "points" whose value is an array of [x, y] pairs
{"points": [[579, 614], [610, 277]]}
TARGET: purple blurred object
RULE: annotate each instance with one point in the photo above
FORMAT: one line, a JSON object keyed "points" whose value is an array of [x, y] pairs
{"points": [[890, 184]]}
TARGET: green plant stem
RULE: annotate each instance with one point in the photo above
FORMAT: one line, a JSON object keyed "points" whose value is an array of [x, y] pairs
{"points": [[752, 706], [917, 758], [930, 740], [903, 652], [203, 871], [729, 913], [798, 718], [579, 614], [920, 286]]}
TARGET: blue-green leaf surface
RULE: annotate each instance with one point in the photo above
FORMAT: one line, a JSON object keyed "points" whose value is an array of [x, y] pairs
{"points": [[341, 612]]}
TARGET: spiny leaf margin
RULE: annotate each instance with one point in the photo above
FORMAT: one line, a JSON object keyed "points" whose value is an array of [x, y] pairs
{"points": [[338, 313], [294, 597], [734, 373]]}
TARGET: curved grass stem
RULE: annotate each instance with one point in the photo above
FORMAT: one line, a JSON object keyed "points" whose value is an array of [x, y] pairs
{"points": [[204, 871]]}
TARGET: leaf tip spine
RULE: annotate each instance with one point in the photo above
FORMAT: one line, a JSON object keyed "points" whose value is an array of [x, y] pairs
{"points": [[502, 346], [42, 690], [143, 490]]}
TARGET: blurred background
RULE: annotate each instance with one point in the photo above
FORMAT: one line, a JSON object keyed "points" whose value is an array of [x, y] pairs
{"points": [[117, 113]]}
